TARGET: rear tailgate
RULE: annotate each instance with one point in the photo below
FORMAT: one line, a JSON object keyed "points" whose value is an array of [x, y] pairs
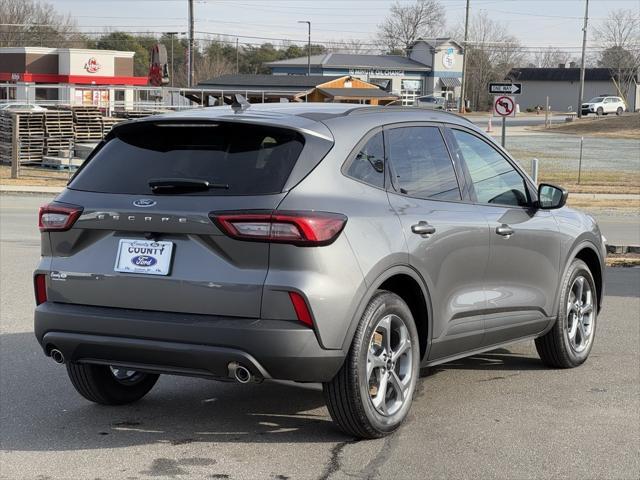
{"points": [[135, 248]]}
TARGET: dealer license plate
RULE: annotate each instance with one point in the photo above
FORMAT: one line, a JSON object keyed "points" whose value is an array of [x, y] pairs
{"points": [[144, 256]]}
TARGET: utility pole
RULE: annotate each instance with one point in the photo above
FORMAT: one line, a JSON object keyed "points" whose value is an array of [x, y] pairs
{"points": [[464, 61], [308, 45], [172, 35], [237, 57], [584, 47], [190, 49]]}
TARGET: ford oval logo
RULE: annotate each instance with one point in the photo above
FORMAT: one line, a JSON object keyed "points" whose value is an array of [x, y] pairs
{"points": [[144, 261], [144, 202]]}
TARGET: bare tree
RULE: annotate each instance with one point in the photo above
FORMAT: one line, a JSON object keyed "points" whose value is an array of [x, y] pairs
{"points": [[36, 23], [407, 23], [353, 45], [619, 34], [491, 53], [550, 57]]}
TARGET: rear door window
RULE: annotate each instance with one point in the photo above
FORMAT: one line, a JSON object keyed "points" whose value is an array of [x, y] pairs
{"points": [[420, 163], [247, 159]]}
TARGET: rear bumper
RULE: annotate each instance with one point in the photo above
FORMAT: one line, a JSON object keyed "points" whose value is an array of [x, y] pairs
{"points": [[184, 344]]}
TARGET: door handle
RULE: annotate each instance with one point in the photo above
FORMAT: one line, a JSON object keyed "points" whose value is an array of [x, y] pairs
{"points": [[504, 230], [423, 228]]}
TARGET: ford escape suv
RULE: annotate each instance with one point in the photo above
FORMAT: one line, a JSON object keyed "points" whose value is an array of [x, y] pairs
{"points": [[332, 243]]}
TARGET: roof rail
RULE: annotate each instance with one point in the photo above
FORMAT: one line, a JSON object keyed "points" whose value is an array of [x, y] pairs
{"points": [[404, 108]]}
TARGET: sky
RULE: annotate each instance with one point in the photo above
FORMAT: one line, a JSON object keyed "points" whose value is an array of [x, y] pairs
{"points": [[539, 23]]}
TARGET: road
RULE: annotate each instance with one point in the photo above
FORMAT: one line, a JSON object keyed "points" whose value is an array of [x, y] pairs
{"points": [[497, 415]]}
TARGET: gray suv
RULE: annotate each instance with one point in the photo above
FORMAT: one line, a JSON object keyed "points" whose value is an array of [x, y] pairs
{"points": [[332, 243]]}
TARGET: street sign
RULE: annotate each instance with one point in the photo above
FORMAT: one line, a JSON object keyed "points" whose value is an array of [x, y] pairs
{"points": [[504, 106], [508, 88]]}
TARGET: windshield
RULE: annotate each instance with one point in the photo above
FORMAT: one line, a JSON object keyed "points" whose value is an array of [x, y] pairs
{"points": [[596, 100], [246, 159]]}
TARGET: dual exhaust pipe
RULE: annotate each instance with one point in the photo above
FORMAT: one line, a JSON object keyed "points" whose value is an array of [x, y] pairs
{"points": [[240, 373]]}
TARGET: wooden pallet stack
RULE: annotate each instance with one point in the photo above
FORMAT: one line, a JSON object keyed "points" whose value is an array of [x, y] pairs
{"points": [[87, 123], [58, 127], [108, 123], [31, 136]]}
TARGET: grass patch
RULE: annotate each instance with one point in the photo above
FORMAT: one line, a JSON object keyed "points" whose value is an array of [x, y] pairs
{"points": [[594, 182], [611, 126]]}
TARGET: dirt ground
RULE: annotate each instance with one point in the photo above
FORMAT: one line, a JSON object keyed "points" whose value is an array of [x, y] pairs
{"points": [[30, 176], [611, 126]]}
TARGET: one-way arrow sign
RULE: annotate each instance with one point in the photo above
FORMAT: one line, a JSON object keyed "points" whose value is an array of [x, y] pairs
{"points": [[509, 88]]}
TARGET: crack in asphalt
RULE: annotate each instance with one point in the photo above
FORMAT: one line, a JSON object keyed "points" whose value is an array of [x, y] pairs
{"points": [[333, 465], [372, 469]]}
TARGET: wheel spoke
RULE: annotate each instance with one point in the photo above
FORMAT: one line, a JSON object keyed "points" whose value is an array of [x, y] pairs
{"points": [[402, 348], [587, 309], [399, 387], [379, 401], [580, 289], [583, 332], [385, 329], [573, 318], [373, 361]]}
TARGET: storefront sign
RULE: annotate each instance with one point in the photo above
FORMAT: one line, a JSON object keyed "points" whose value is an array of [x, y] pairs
{"points": [[92, 65], [448, 59], [376, 72]]}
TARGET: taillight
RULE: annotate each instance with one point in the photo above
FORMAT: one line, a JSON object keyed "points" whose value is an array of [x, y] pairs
{"points": [[298, 228], [40, 287], [301, 308], [57, 217]]}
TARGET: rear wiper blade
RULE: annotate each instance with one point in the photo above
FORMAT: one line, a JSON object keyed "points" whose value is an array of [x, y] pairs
{"points": [[177, 185]]}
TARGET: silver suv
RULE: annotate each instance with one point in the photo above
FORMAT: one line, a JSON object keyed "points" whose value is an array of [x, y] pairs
{"points": [[314, 243]]}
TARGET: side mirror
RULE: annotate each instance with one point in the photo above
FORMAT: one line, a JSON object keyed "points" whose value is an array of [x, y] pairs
{"points": [[551, 196]]}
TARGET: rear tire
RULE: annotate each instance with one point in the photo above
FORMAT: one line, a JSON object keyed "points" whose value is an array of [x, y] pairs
{"points": [[619, 111], [100, 383], [569, 342], [372, 393]]}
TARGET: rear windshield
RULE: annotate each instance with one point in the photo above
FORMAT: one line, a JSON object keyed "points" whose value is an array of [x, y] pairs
{"points": [[248, 159]]}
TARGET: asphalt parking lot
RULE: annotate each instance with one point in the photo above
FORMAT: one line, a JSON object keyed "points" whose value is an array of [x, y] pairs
{"points": [[497, 415]]}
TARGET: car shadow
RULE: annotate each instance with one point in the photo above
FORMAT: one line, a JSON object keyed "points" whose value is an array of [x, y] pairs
{"points": [[500, 359], [41, 411]]}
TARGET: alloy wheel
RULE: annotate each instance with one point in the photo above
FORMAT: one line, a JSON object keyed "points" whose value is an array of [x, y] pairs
{"points": [[389, 365], [580, 314]]}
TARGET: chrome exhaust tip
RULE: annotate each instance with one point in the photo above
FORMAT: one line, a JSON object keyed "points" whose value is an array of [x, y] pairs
{"points": [[57, 355], [240, 373]]}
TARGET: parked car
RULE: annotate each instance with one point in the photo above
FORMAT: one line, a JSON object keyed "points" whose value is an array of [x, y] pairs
{"points": [[431, 101], [22, 106], [348, 245], [604, 105]]}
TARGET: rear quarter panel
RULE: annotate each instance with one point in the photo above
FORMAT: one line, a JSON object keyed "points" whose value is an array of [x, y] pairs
{"points": [[335, 278]]}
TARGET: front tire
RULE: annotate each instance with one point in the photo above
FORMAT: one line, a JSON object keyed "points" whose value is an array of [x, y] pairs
{"points": [[372, 393], [599, 111], [110, 385], [569, 342]]}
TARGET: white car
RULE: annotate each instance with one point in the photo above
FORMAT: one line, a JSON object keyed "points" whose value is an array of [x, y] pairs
{"points": [[604, 105], [22, 106]]}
